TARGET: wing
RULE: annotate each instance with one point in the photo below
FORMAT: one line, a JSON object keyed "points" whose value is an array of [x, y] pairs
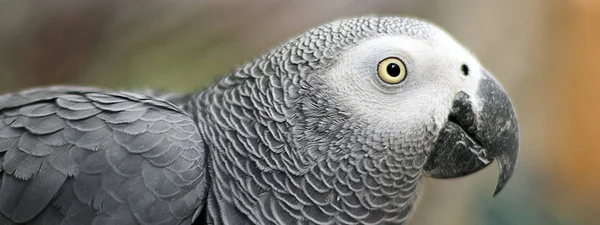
{"points": [[88, 156], [173, 97]]}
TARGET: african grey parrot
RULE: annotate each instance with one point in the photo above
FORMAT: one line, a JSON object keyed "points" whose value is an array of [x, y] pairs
{"points": [[336, 126]]}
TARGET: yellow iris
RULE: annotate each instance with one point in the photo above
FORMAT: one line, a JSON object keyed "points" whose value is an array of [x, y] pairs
{"points": [[391, 70]]}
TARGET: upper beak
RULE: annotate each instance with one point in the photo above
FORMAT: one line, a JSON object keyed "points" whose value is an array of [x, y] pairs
{"points": [[477, 134]]}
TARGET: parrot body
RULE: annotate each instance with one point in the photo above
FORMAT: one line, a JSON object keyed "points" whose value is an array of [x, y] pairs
{"points": [[336, 126]]}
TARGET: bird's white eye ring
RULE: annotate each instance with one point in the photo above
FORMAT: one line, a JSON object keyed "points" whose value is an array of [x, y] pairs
{"points": [[391, 70]]}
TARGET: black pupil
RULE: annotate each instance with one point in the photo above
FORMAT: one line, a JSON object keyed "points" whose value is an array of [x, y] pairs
{"points": [[393, 69]]}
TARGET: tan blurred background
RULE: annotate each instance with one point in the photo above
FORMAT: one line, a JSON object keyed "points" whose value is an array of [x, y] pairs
{"points": [[546, 53]]}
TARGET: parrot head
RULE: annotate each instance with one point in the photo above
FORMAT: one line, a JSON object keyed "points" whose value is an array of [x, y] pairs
{"points": [[413, 84], [340, 123]]}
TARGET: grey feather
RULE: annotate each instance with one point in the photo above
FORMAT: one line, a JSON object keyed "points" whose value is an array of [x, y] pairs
{"points": [[69, 156]]}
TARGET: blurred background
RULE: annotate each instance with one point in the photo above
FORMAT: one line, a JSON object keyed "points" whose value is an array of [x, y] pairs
{"points": [[545, 52]]}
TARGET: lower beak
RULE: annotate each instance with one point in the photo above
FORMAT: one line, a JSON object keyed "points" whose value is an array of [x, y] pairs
{"points": [[473, 137]]}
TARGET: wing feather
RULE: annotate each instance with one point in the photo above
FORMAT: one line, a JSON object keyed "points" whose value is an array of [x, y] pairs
{"points": [[72, 155]]}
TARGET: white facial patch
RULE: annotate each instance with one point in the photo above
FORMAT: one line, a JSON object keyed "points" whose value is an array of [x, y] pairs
{"points": [[425, 96]]}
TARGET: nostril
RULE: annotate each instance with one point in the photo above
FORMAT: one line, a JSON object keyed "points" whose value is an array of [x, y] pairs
{"points": [[465, 69]]}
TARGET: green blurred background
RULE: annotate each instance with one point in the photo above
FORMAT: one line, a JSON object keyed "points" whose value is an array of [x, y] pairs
{"points": [[546, 54]]}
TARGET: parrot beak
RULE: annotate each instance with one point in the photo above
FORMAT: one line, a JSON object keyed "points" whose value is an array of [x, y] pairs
{"points": [[477, 134]]}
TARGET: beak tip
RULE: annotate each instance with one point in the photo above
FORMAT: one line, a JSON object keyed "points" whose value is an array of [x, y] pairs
{"points": [[499, 188], [506, 166]]}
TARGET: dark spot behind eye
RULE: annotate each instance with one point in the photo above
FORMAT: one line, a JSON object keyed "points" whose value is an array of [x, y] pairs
{"points": [[465, 69]]}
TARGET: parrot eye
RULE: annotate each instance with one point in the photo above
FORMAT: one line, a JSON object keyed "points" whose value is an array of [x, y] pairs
{"points": [[391, 70]]}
